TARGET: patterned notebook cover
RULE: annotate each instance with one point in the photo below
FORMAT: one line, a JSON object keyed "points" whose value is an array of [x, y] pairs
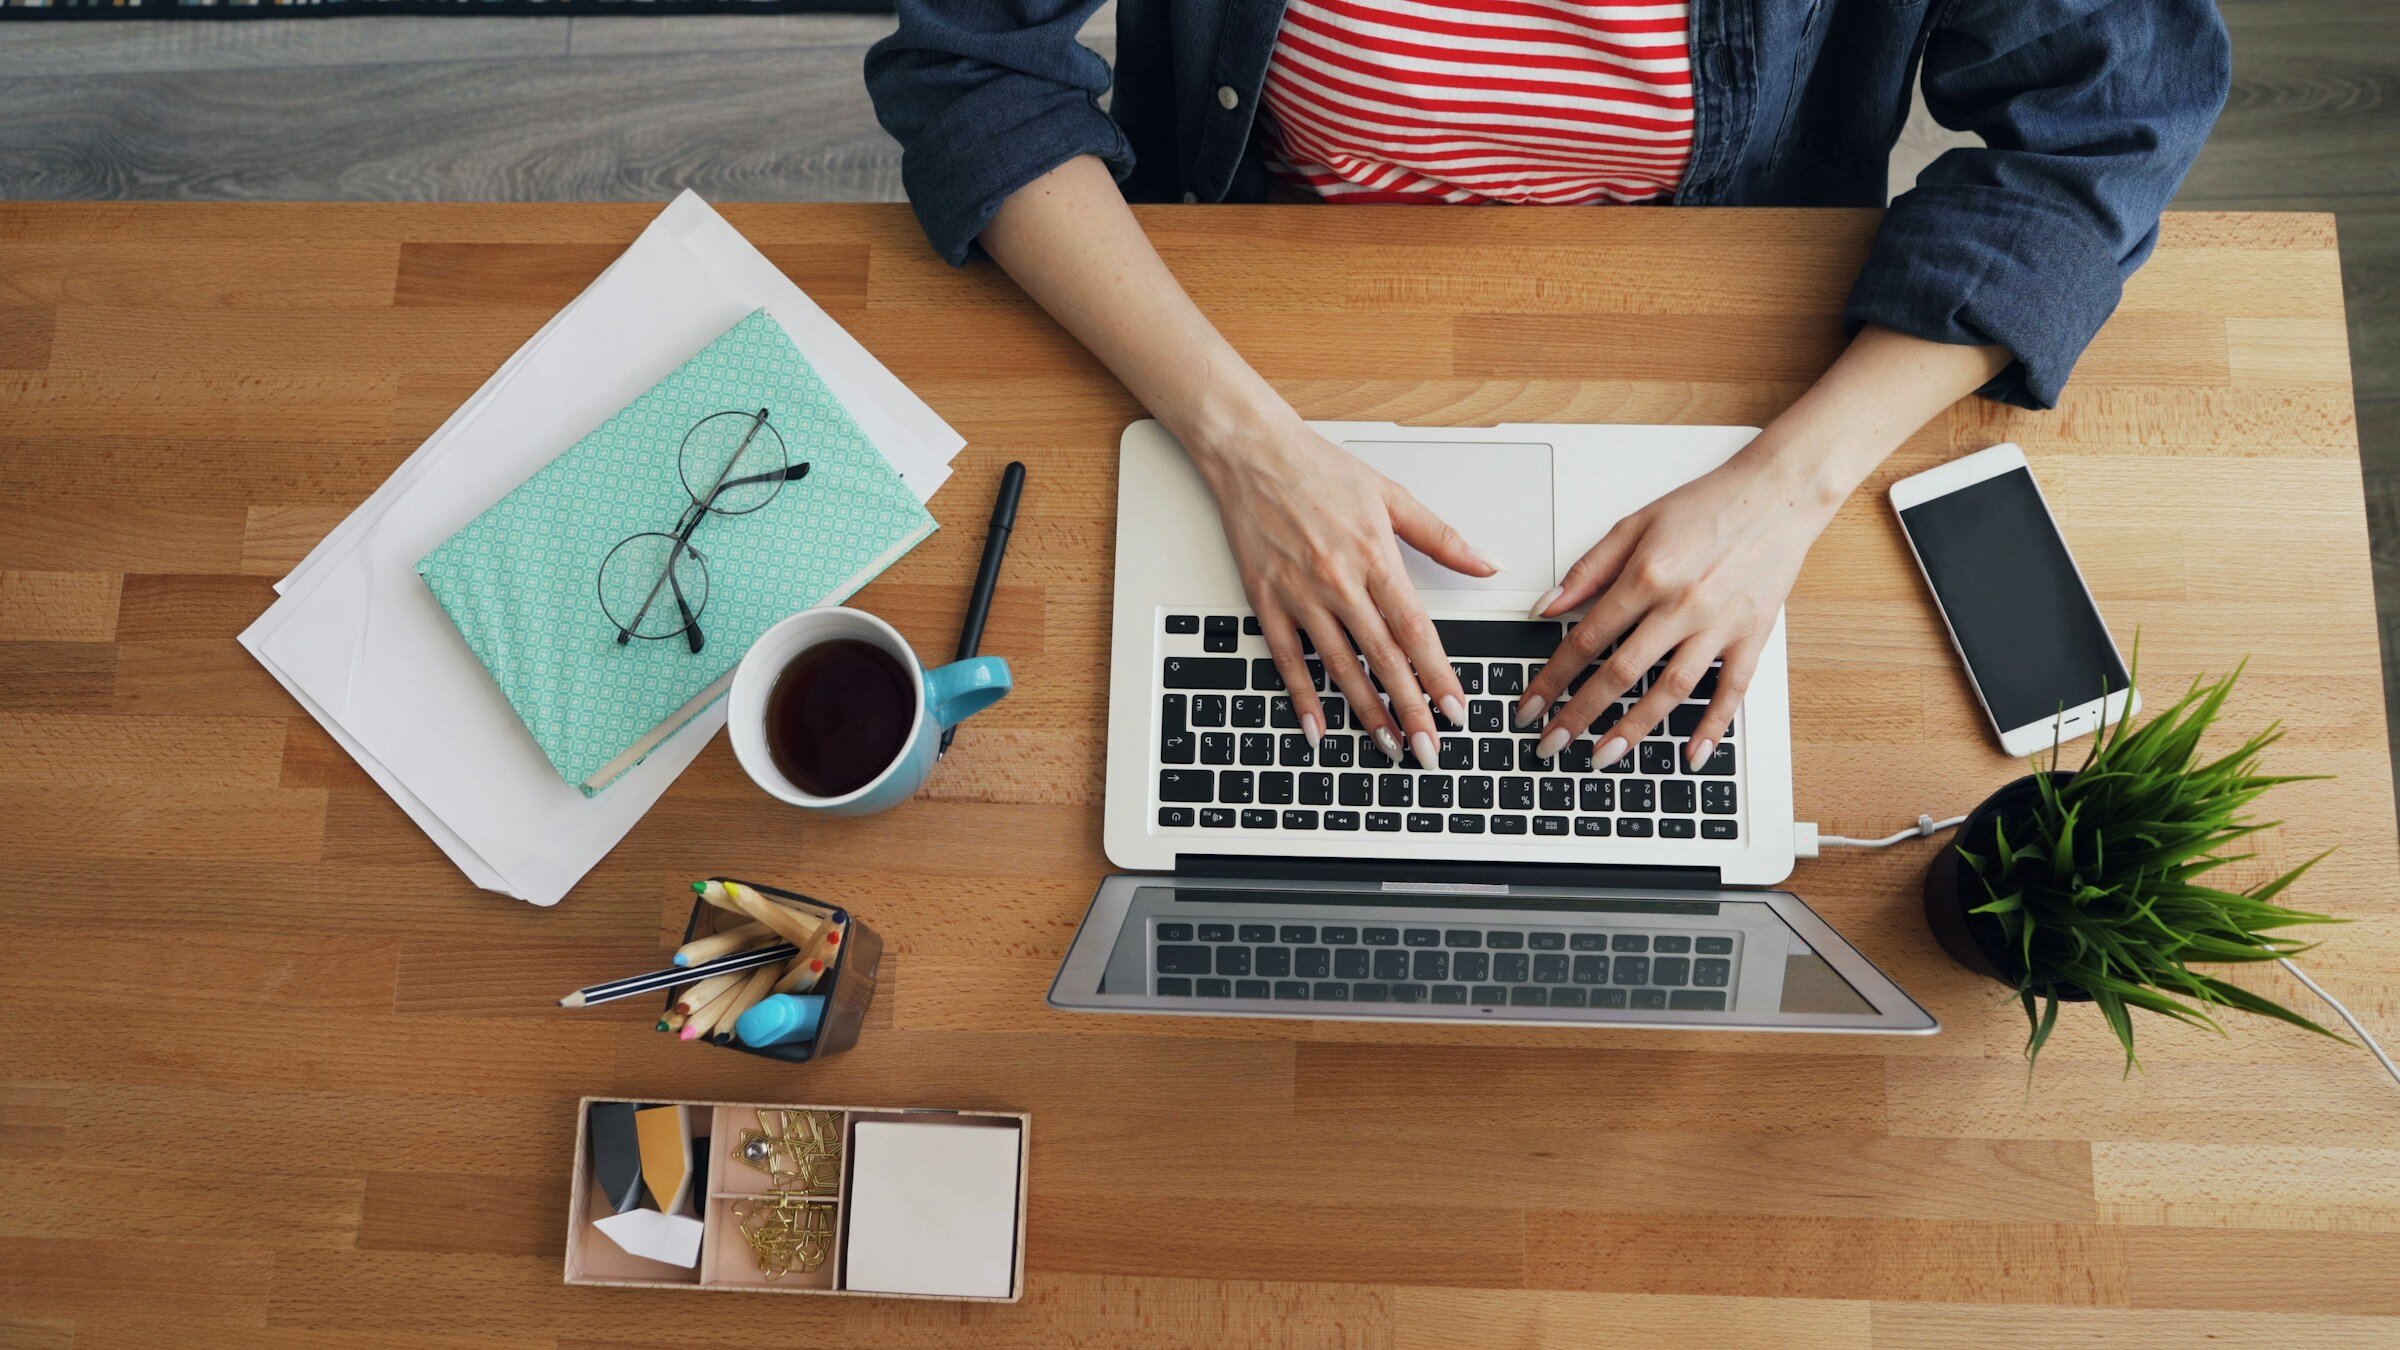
{"points": [[520, 581]]}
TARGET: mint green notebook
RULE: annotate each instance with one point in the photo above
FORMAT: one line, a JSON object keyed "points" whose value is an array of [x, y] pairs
{"points": [[521, 580]]}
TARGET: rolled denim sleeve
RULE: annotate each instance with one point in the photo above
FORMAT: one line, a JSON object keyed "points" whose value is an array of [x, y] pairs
{"points": [[2091, 111], [985, 96]]}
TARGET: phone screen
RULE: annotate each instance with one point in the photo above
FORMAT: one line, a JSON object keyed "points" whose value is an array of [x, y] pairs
{"points": [[2033, 641]]}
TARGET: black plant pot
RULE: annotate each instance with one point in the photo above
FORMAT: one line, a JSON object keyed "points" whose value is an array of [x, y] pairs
{"points": [[1952, 891]]}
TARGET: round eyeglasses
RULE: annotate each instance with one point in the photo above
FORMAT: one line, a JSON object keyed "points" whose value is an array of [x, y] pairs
{"points": [[654, 586]]}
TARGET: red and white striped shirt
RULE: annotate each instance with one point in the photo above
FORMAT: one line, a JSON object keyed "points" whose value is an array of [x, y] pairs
{"points": [[1551, 101]]}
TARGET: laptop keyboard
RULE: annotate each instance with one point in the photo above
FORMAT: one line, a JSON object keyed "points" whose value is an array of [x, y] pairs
{"points": [[1456, 967], [1231, 754]]}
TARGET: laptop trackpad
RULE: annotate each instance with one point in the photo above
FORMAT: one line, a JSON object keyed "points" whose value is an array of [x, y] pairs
{"points": [[1496, 493]]}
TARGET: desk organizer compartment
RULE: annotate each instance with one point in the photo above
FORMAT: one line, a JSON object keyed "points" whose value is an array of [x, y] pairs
{"points": [[727, 1259], [848, 984]]}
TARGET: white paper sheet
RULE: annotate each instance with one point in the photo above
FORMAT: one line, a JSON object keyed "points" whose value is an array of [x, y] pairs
{"points": [[359, 640], [932, 1209]]}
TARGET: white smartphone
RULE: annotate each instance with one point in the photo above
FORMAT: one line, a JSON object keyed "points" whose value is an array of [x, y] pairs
{"points": [[2041, 660]]}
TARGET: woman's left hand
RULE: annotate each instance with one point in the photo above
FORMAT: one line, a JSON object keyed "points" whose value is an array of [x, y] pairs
{"points": [[1695, 577]]}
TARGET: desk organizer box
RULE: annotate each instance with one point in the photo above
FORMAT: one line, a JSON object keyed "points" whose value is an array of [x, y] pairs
{"points": [[727, 1261], [848, 987]]}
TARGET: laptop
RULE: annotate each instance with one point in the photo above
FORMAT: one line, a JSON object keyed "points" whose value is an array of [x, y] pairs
{"points": [[1269, 877]]}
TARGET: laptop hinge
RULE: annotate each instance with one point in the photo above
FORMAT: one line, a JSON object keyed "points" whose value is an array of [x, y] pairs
{"points": [[1437, 874]]}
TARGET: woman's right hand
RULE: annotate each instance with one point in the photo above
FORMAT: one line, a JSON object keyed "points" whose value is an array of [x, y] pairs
{"points": [[1315, 531]]}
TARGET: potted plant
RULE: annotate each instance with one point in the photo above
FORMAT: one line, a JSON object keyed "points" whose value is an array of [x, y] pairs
{"points": [[2095, 884]]}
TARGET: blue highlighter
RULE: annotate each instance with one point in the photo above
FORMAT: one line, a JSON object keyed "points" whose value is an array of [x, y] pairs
{"points": [[779, 1018]]}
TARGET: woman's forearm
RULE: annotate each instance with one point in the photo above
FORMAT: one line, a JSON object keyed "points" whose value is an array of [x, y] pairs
{"points": [[1072, 244], [1876, 394]]}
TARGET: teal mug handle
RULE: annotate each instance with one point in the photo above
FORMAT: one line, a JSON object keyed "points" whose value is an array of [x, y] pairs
{"points": [[958, 691]]}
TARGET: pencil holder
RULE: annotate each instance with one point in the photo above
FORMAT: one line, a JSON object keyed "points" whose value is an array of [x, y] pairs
{"points": [[848, 984]]}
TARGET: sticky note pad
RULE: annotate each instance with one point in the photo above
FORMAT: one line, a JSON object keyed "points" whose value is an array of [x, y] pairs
{"points": [[933, 1209]]}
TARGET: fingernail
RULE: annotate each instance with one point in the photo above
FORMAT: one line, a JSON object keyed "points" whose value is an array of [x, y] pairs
{"points": [[1610, 751], [1454, 708], [1541, 607], [1312, 727], [1552, 741], [1529, 711], [1700, 751], [1422, 743], [1487, 560], [1388, 741]]}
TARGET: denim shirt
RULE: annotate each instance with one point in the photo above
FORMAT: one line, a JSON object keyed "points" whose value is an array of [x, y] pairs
{"points": [[2090, 112]]}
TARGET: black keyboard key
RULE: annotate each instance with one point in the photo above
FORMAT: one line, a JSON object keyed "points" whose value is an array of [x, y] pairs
{"points": [[1680, 796], [1507, 677], [1275, 788], [1570, 996], [1370, 993], [1525, 639], [1424, 822], [1174, 932], [1470, 967], [1337, 936], [1384, 822], [1675, 827], [1591, 970], [1258, 747], [1237, 787], [1282, 715], [1713, 946], [1596, 794], [1207, 672], [1684, 718], [1421, 937], [1719, 829], [1371, 756], [1557, 794], [1528, 996], [1466, 824], [1178, 747], [1547, 942], [1180, 959], [1432, 967], [1173, 985], [1294, 750], [1516, 794], [1706, 689], [1630, 942], [1470, 676], [1391, 964], [1670, 970], [1290, 989], [1250, 625], [1216, 747], [1630, 970], [1213, 988], [1638, 794], [1717, 798], [1249, 710], [1591, 827], [1316, 789], [1511, 967], [1233, 960], [1608, 998], [1256, 932], [1657, 758], [1183, 623], [1530, 762], [1175, 817], [1719, 765], [1508, 824], [1215, 818], [1264, 675], [1462, 937], [1488, 995], [1550, 825], [1504, 941], [1493, 755], [1633, 827], [1475, 793], [1335, 752], [1712, 972], [1437, 791], [1487, 715], [1671, 944], [1457, 752], [1696, 1000], [1408, 993], [1273, 962], [1381, 937], [1297, 819], [1312, 963], [1250, 989], [1218, 634], [1550, 968], [1331, 991], [1187, 785], [1449, 993], [1258, 818], [1208, 710], [1394, 789], [1589, 942], [1358, 789], [1576, 756], [1342, 820], [1350, 963], [1649, 1000]]}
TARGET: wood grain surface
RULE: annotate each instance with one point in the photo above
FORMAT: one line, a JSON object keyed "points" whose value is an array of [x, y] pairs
{"points": [[275, 1074]]}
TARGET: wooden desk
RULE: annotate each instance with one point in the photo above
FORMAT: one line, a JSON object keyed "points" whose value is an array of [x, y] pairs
{"points": [[272, 1068]]}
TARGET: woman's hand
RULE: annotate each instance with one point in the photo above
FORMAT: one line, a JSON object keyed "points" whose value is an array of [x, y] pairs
{"points": [[1695, 577], [1315, 533]]}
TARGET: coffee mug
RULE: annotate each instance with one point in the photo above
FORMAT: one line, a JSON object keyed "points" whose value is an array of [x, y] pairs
{"points": [[945, 697]]}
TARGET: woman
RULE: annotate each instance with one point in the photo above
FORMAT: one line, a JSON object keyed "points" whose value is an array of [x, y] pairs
{"points": [[1990, 277]]}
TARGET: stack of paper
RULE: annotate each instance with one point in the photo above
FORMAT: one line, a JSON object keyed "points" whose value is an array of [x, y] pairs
{"points": [[362, 644]]}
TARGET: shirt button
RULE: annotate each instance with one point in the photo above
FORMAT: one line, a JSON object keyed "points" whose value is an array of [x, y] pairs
{"points": [[1190, 198], [1227, 99]]}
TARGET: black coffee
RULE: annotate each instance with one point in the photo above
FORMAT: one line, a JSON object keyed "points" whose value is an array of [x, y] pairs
{"points": [[839, 715]]}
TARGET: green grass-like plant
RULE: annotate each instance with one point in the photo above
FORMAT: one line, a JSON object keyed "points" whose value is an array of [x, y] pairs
{"points": [[2104, 887]]}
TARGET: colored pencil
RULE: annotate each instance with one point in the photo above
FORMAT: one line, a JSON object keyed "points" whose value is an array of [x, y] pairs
{"points": [[718, 944], [632, 985], [811, 964], [753, 988]]}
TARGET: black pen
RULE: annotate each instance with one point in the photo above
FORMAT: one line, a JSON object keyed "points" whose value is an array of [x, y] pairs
{"points": [[987, 575]]}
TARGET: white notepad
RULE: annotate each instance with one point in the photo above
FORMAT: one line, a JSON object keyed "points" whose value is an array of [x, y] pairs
{"points": [[933, 1209]]}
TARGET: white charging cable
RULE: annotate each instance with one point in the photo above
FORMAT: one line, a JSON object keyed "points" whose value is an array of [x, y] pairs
{"points": [[1806, 843]]}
